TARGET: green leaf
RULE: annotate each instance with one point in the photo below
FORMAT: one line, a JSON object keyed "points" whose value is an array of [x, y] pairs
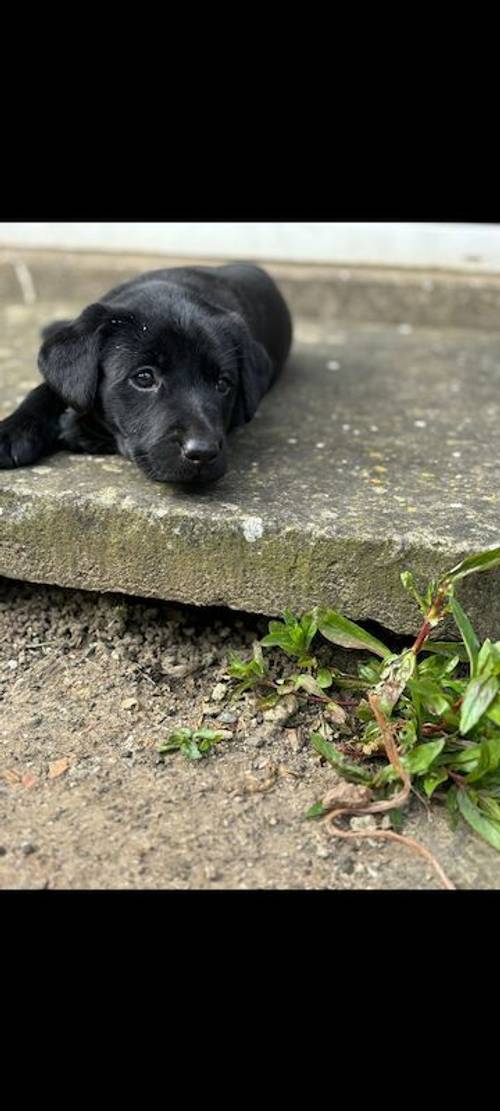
{"points": [[478, 696], [452, 807], [493, 711], [397, 820], [247, 669], [292, 635], [491, 783], [240, 689], [269, 701], [193, 745], [309, 626], [329, 752], [490, 807], [212, 735], [434, 780], [446, 648], [468, 635], [485, 827], [191, 750], [488, 662], [370, 673], [394, 678], [416, 762], [351, 684], [309, 684], [339, 630], [489, 759], [182, 734], [484, 658], [364, 711], [251, 672], [176, 740], [407, 736], [449, 667], [465, 760], [422, 756], [317, 811], [483, 562], [431, 695], [409, 584], [325, 678], [277, 637], [169, 746]]}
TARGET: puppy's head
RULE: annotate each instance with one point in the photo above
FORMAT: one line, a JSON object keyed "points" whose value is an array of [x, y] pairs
{"points": [[168, 380]]}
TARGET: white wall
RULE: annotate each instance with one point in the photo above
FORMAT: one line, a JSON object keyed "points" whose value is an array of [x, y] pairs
{"points": [[465, 247]]}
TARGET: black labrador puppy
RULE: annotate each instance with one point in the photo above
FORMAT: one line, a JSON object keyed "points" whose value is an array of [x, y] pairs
{"points": [[160, 369]]}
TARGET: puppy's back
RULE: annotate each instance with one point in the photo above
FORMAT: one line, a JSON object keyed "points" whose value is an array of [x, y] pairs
{"points": [[264, 307]]}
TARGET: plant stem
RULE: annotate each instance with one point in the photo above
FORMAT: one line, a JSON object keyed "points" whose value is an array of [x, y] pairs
{"points": [[422, 637], [432, 617]]}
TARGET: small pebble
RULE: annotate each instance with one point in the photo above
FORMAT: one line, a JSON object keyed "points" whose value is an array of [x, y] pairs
{"points": [[363, 822], [219, 692], [27, 847], [257, 741]]}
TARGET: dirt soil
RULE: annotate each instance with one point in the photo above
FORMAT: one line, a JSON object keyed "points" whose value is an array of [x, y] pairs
{"points": [[90, 685]]}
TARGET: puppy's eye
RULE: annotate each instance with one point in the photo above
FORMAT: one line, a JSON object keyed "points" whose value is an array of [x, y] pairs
{"points": [[143, 379], [223, 385]]}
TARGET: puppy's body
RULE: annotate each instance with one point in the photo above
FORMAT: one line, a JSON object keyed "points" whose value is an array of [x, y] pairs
{"points": [[160, 369]]}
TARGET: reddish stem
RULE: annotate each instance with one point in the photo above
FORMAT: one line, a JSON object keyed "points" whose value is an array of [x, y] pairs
{"points": [[458, 779], [422, 637], [434, 614]]}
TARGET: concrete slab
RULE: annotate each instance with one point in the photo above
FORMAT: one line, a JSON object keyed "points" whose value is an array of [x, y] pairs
{"points": [[378, 451]]}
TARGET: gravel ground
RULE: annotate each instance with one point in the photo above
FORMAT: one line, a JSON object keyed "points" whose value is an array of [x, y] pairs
{"points": [[89, 687]]}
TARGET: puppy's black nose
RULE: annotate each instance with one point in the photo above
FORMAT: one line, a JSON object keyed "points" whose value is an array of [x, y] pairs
{"points": [[198, 450]]}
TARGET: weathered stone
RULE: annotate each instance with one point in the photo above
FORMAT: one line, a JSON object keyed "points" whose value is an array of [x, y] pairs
{"points": [[377, 452]]}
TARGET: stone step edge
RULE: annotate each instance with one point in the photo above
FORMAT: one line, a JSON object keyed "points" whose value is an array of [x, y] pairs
{"points": [[426, 298]]}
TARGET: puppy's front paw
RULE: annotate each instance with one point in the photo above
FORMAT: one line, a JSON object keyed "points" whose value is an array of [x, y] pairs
{"points": [[23, 440]]}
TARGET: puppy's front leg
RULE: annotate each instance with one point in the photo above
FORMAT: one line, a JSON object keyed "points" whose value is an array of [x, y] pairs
{"points": [[32, 430]]}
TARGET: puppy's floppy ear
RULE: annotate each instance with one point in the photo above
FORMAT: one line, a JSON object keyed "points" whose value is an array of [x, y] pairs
{"points": [[69, 357], [256, 374]]}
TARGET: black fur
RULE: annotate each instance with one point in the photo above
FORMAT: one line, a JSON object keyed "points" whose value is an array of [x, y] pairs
{"points": [[208, 342]]}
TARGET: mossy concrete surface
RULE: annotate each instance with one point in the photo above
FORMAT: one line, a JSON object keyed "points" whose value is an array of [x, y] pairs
{"points": [[377, 452]]}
